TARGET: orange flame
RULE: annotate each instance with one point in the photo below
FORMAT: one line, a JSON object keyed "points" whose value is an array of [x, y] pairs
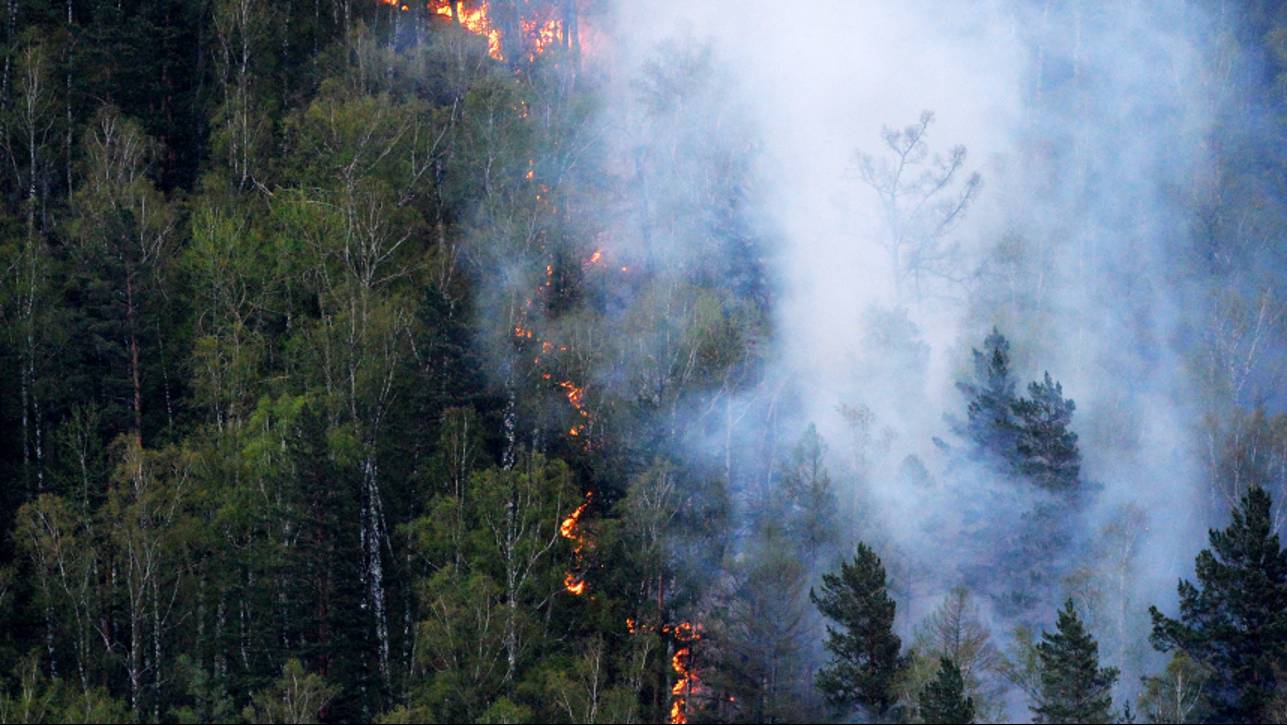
{"points": [[541, 35], [474, 16], [474, 19], [687, 684], [574, 585]]}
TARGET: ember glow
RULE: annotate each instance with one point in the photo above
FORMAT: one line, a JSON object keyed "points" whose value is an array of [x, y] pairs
{"points": [[572, 392]]}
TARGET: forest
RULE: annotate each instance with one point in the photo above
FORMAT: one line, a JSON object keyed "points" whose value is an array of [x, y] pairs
{"points": [[630, 361]]}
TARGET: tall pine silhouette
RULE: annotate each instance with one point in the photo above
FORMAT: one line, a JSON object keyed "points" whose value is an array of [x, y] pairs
{"points": [[1073, 688], [1234, 620], [865, 658]]}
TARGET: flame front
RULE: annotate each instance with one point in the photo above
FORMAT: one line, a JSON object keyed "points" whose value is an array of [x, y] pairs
{"points": [[687, 683], [473, 17], [576, 398], [538, 33], [570, 529]]}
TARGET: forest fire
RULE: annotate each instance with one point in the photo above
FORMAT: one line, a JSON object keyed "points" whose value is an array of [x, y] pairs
{"points": [[570, 529]]}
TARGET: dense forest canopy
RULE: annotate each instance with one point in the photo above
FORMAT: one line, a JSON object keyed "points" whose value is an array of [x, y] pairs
{"points": [[624, 361]]}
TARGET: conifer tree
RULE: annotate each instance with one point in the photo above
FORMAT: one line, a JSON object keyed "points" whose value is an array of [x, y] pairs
{"points": [[1072, 687], [1234, 620], [865, 658], [943, 700]]}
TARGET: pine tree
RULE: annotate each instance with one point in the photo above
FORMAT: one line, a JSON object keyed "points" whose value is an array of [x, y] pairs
{"points": [[1046, 449], [1234, 621], [865, 658], [1072, 687], [943, 700], [990, 423]]}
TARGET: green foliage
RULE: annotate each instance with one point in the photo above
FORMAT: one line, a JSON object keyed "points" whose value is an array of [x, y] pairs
{"points": [[865, 659], [41, 699], [272, 447], [954, 631], [1072, 687], [296, 698], [497, 561], [1177, 694], [943, 699], [205, 698]]}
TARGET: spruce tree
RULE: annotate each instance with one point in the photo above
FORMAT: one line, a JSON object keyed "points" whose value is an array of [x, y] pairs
{"points": [[1234, 620], [1072, 687], [990, 423], [943, 700], [1046, 449], [864, 650]]}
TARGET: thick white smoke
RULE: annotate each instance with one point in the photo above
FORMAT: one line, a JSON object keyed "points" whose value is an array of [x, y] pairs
{"points": [[1086, 124]]}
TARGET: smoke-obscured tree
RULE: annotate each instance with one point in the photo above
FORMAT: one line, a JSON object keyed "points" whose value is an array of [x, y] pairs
{"points": [[991, 425], [1175, 695], [894, 354], [1025, 442], [811, 516], [955, 631], [1046, 448], [1233, 621], [865, 658], [763, 632], [922, 200], [1072, 687], [1243, 450], [943, 699]]}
